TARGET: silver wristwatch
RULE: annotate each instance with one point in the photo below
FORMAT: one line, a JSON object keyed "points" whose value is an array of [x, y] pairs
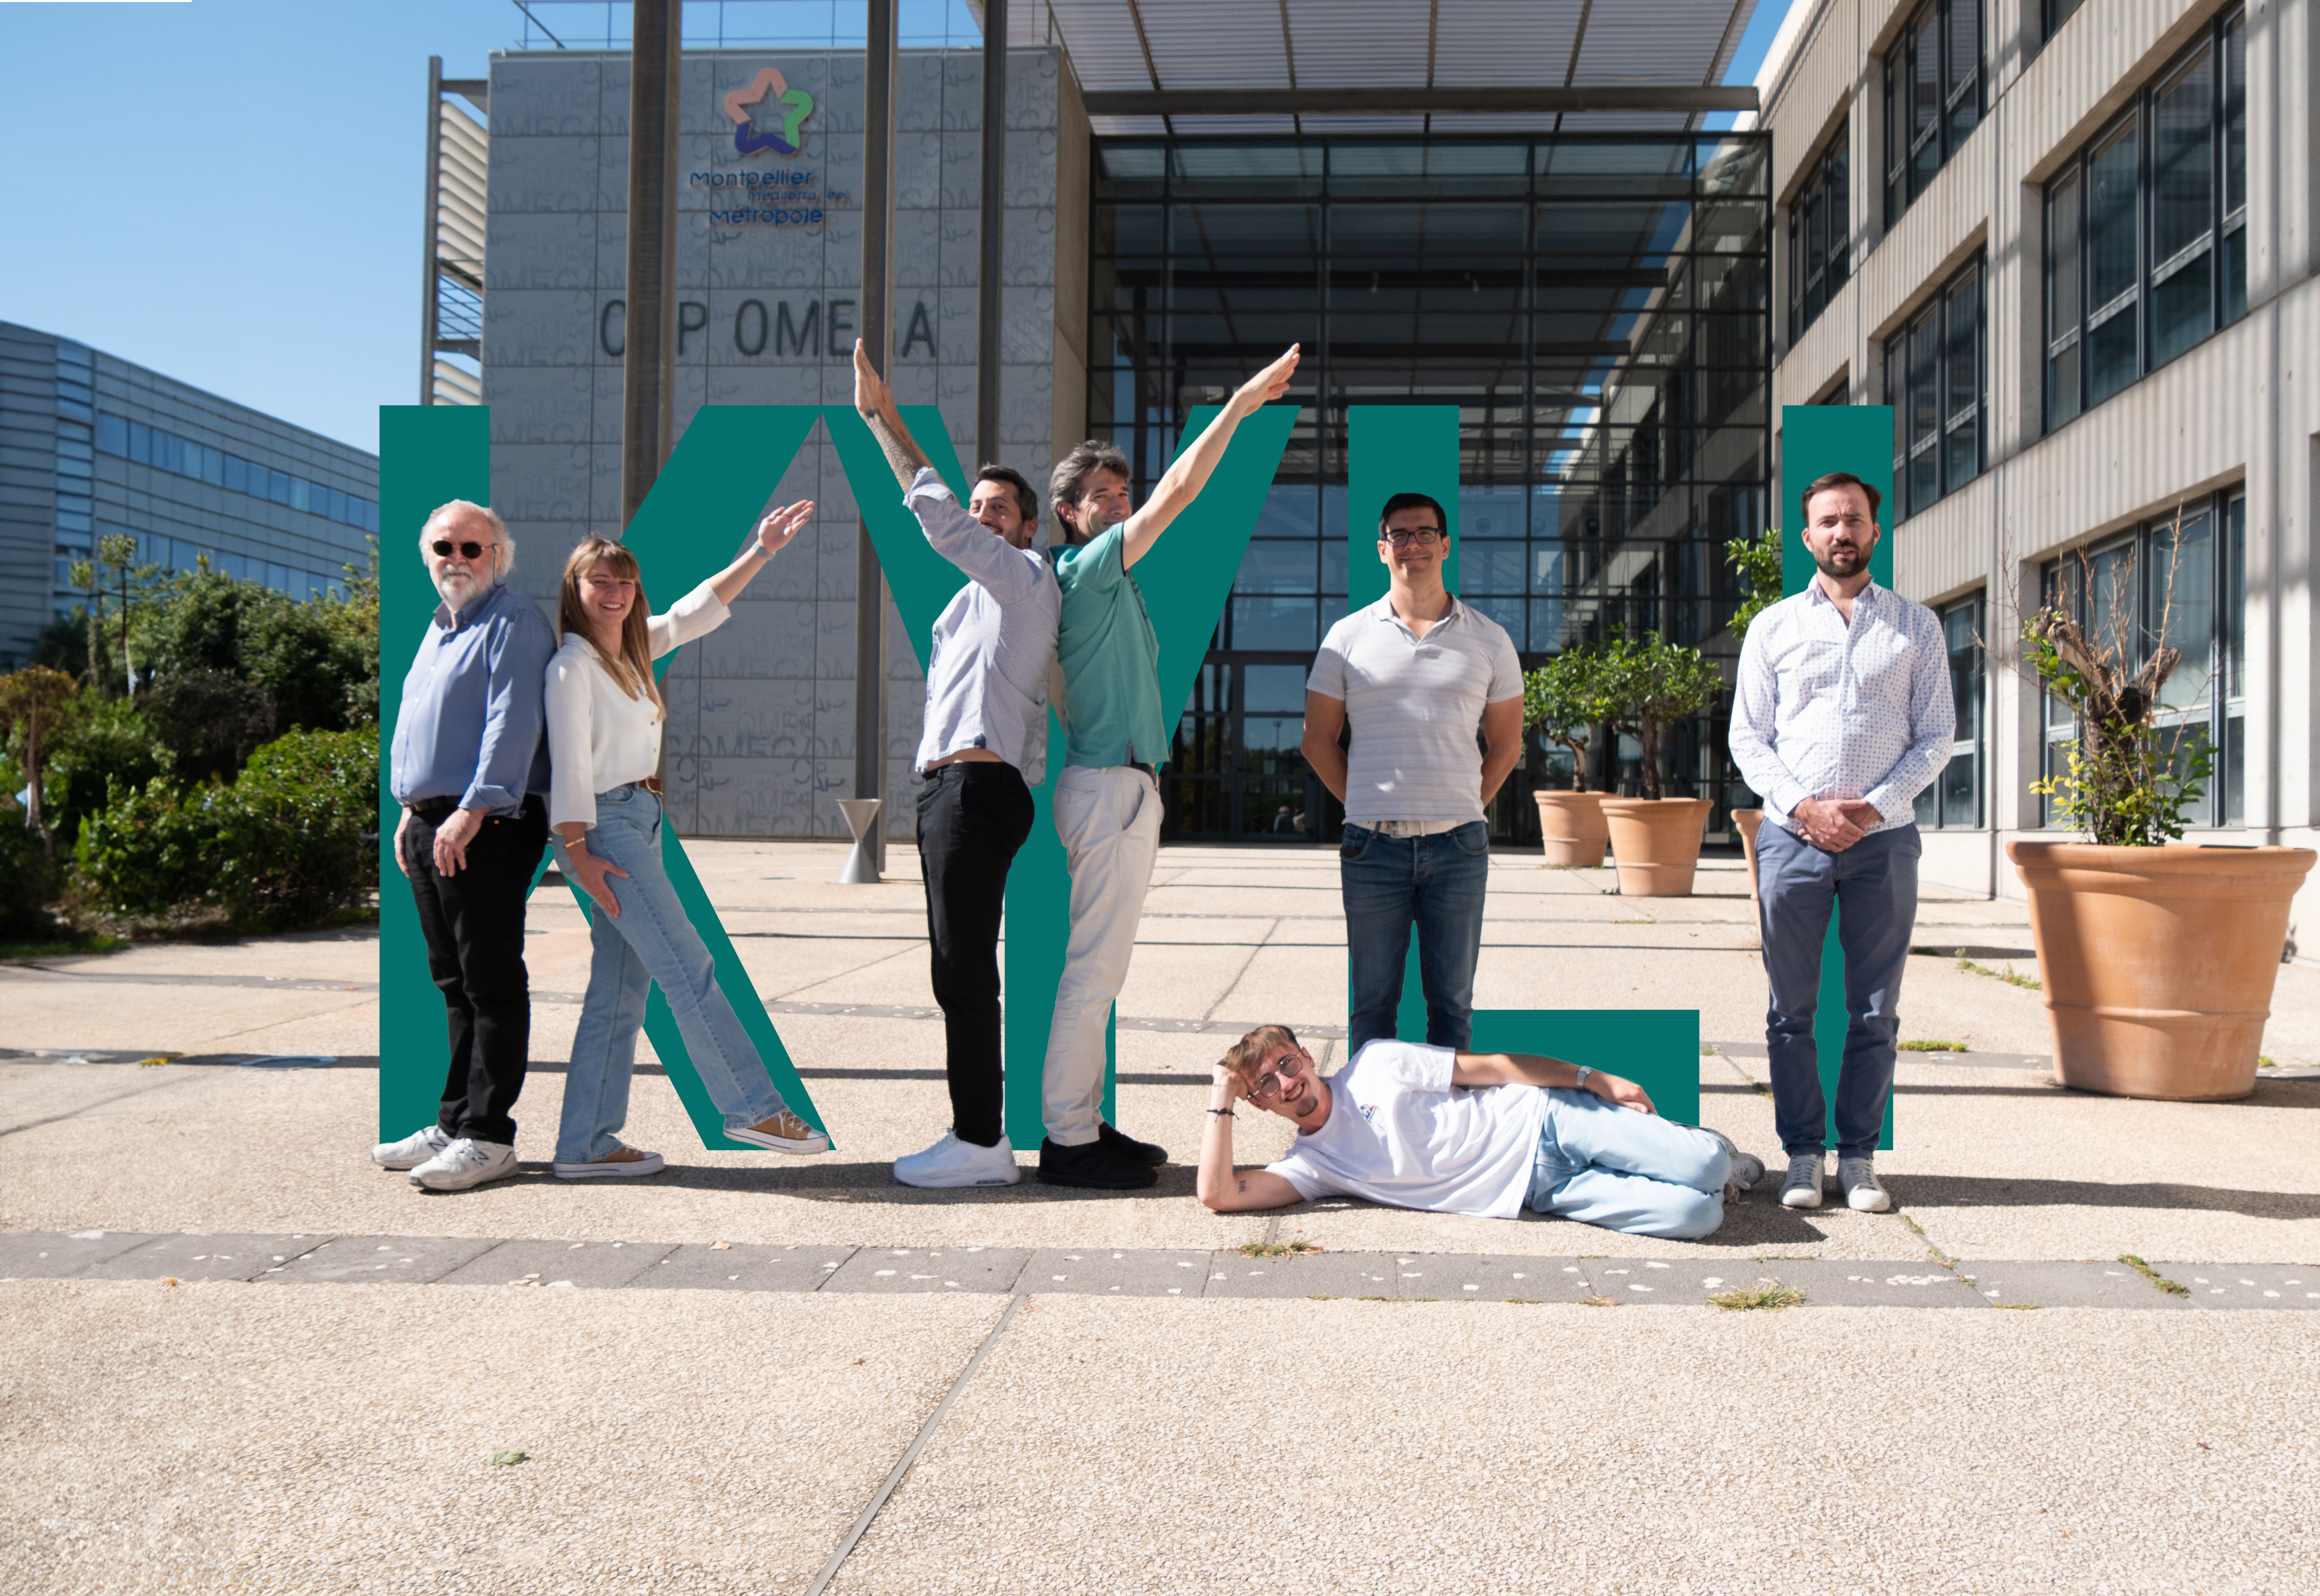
{"points": [[1581, 1083]]}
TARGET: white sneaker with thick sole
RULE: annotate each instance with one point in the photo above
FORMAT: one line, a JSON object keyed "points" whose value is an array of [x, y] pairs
{"points": [[466, 1163], [413, 1150], [622, 1161], [1801, 1188], [784, 1133], [1862, 1194], [1747, 1168], [951, 1162]]}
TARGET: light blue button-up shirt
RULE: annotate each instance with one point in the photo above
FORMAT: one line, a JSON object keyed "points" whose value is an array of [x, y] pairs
{"points": [[473, 725], [1825, 710], [987, 666]]}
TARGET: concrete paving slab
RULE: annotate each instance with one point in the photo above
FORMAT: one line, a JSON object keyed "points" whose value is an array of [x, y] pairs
{"points": [[1100, 1272], [203, 1258], [398, 1260], [52, 1254], [1304, 1275], [741, 1266], [1665, 1283], [559, 1263], [2012, 1284], [942, 1269], [1842, 1283], [2246, 1285], [1485, 1277]]}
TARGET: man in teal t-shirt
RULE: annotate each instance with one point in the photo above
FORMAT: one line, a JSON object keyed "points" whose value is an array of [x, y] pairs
{"points": [[1108, 799]]}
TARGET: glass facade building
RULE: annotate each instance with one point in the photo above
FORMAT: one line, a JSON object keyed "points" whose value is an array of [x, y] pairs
{"points": [[91, 445], [1596, 305]]}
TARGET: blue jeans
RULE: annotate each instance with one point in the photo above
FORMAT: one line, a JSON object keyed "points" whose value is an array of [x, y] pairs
{"points": [[1873, 885], [650, 940], [1602, 1164], [1436, 883]]}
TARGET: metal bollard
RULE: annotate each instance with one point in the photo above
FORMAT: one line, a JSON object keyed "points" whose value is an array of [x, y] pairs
{"points": [[862, 864]]}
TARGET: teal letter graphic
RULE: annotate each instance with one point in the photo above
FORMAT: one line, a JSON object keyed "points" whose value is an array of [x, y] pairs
{"points": [[1814, 440], [1398, 449]]}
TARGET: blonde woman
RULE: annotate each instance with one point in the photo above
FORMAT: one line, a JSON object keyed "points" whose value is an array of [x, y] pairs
{"points": [[604, 721]]}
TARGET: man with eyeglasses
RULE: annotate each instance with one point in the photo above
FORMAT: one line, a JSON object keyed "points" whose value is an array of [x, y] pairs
{"points": [[1481, 1134], [469, 767], [1414, 676]]}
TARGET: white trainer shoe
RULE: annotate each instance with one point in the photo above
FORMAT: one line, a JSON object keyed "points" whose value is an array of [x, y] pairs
{"points": [[1862, 1194], [1747, 1168], [623, 1160], [413, 1150], [784, 1133], [466, 1163], [951, 1162]]}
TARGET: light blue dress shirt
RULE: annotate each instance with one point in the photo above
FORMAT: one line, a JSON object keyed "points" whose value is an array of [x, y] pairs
{"points": [[473, 725], [1825, 710], [987, 666]]}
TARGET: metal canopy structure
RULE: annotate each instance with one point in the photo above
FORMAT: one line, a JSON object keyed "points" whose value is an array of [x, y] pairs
{"points": [[1515, 48]]}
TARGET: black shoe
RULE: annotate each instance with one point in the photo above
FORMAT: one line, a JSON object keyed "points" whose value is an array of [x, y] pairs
{"points": [[1094, 1164], [1128, 1147]]}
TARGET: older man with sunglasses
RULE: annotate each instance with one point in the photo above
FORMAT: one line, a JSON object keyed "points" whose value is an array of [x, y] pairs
{"points": [[1484, 1134], [470, 769]]}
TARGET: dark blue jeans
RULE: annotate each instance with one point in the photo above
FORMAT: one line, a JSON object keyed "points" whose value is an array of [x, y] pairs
{"points": [[1873, 885], [1436, 883]]}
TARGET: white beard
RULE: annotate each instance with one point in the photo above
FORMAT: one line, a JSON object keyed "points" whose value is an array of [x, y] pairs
{"points": [[456, 587]]}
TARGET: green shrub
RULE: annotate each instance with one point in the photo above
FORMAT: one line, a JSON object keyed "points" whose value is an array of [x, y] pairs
{"points": [[106, 745], [26, 876], [151, 853], [290, 848]]}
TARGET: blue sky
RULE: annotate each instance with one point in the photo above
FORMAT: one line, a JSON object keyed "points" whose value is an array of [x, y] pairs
{"points": [[229, 191]]}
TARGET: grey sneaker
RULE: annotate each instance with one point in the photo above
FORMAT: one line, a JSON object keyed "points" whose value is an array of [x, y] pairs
{"points": [[413, 1150], [1801, 1189], [1857, 1179], [466, 1163], [1747, 1168]]}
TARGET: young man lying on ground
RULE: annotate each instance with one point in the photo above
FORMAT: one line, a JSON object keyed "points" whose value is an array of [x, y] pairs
{"points": [[1394, 1126]]}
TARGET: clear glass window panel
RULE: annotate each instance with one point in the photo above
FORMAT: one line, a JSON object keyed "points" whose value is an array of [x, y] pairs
{"points": [[1492, 512], [2110, 619], [1925, 379], [1493, 568], [2235, 601], [1964, 44], [1960, 451], [2235, 115], [2182, 160], [1268, 623], [2111, 254], [1963, 316], [1927, 805], [1275, 565], [1258, 171], [1273, 809], [1272, 689], [2182, 605], [2182, 307], [1840, 226], [1960, 790], [1269, 745], [2062, 387], [1925, 73], [1959, 628], [1507, 612], [2063, 222], [2232, 771], [2110, 347], [1586, 167], [2233, 263]]}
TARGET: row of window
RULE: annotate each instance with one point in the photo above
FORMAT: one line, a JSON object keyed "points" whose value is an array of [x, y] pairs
{"points": [[166, 451]]}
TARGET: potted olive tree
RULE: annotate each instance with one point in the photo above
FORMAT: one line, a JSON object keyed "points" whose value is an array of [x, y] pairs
{"points": [[1758, 562], [1563, 701], [2158, 962], [1655, 841]]}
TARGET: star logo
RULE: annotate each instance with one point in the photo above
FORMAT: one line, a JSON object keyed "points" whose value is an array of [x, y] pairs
{"points": [[767, 114]]}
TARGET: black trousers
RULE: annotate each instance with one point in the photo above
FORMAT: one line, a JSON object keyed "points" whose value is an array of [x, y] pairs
{"points": [[972, 817], [474, 926]]}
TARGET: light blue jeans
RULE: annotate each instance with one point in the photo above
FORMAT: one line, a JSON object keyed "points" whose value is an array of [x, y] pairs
{"points": [[1603, 1165], [650, 940]]}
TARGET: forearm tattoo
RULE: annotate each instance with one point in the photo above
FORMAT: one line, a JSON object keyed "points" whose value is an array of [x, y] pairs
{"points": [[899, 452]]}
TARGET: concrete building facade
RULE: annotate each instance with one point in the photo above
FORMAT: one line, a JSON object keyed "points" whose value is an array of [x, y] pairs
{"points": [[2073, 245]]}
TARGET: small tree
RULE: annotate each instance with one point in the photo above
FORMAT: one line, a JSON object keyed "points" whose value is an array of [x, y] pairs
{"points": [[1652, 682], [1564, 701], [1758, 562], [33, 704]]}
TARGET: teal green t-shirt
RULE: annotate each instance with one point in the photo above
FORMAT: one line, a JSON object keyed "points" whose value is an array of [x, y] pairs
{"points": [[1110, 659]]}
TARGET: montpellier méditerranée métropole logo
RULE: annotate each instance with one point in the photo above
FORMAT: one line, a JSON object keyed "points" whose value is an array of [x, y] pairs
{"points": [[768, 116], [779, 113]]}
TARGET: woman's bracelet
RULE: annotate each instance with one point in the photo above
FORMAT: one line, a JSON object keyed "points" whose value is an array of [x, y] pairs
{"points": [[1227, 1113]]}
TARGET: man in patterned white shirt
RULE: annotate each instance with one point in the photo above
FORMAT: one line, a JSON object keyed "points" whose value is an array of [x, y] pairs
{"points": [[1842, 715]]}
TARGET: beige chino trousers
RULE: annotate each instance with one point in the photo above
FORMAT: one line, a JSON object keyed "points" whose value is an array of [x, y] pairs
{"points": [[1110, 822]]}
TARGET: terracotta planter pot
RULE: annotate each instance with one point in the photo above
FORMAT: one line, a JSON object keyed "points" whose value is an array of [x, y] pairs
{"points": [[1655, 843], [1747, 820], [2159, 962], [1571, 824]]}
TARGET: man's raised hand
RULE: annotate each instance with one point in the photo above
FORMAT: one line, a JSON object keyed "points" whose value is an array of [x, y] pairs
{"points": [[1268, 385], [872, 396]]}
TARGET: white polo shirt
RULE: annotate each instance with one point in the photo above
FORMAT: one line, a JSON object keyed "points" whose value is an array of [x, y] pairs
{"points": [[1414, 705]]}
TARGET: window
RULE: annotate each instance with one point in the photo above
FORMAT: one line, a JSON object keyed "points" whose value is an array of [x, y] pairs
{"points": [[2177, 581], [1933, 96], [1955, 798], [2146, 229], [1936, 379], [149, 446], [1820, 237]]}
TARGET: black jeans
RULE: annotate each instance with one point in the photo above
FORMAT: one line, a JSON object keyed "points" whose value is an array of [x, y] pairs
{"points": [[474, 926], [972, 817]]}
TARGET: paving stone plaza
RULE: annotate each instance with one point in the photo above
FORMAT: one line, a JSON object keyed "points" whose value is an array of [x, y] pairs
{"points": [[748, 1373]]}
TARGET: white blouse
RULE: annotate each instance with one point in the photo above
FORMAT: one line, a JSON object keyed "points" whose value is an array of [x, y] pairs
{"points": [[598, 737]]}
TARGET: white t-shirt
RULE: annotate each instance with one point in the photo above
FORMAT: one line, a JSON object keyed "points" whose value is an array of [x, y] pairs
{"points": [[1414, 705], [1400, 1133]]}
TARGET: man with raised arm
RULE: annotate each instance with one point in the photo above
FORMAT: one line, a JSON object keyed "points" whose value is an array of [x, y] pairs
{"points": [[1484, 1134], [984, 745], [1842, 715], [1107, 801]]}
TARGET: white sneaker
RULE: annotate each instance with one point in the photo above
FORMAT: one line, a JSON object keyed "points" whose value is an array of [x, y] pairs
{"points": [[464, 1162], [623, 1160], [784, 1133], [1862, 1194], [951, 1162], [1747, 1168], [411, 1151]]}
